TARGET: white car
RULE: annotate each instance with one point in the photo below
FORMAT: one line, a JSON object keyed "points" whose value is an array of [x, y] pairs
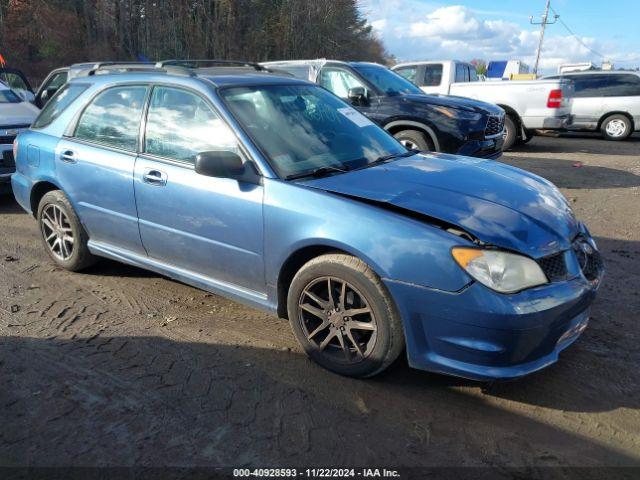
{"points": [[529, 104], [605, 101], [16, 115]]}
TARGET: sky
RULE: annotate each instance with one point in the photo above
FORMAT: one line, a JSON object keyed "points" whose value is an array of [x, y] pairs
{"points": [[501, 30]]}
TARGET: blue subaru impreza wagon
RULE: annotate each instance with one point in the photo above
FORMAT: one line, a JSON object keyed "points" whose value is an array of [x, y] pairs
{"points": [[274, 192]]}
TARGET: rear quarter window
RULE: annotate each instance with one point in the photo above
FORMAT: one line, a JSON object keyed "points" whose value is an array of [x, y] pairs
{"points": [[59, 103], [432, 75]]}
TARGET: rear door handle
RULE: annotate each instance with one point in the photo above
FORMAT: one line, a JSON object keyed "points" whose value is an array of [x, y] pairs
{"points": [[68, 156], [154, 177]]}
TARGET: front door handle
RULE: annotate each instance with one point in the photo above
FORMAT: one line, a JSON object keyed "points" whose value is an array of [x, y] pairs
{"points": [[154, 177], [68, 156]]}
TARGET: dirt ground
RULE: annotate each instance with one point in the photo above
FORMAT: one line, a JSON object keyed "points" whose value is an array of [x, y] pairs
{"points": [[120, 367]]}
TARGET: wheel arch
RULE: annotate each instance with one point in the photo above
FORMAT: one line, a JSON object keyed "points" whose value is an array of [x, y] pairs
{"points": [[39, 190], [399, 125], [302, 255], [616, 112], [512, 113]]}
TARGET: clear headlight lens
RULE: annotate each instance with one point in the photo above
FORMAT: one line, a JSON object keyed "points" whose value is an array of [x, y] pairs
{"points": [[503, 272]]}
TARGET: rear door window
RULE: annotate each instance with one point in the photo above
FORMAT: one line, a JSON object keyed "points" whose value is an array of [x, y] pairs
{"points": [[461, 73], [432, 75], [113, 117], [590, 85]]}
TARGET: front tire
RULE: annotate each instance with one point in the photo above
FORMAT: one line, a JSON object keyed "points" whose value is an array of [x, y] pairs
{"points": [[510, 132], [415, 140], [63, 236], [344, 317], [616, 127]]}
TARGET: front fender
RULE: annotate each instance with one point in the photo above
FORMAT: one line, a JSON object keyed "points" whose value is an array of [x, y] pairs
{"points": [[395, 246]]}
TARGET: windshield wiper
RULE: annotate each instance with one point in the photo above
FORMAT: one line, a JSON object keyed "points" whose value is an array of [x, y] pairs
{"points": [[388, 158], [318, 172]]}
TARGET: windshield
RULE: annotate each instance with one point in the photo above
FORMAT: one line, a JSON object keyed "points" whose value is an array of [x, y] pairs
{"points": [[7, 96], [303, 128], [385, 80]]}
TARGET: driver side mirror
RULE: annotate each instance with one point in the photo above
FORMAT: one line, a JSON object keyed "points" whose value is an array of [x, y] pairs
{"points": [[358, 96], [225, 164]]}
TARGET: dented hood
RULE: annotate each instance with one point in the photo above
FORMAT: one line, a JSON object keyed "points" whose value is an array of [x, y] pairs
{"points": [[499, 204]]}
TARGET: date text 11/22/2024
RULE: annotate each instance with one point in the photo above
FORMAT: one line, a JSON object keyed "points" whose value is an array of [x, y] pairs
{"points": [[315, 473]]}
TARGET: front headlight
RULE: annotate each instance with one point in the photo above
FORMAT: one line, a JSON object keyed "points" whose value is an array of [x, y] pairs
{"points": [[503, 272]]}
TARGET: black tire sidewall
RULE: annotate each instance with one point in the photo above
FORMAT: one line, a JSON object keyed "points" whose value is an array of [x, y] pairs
{"points": [[511, 133], [420, 139], [80, 257], [603, 128], [378, 358]]}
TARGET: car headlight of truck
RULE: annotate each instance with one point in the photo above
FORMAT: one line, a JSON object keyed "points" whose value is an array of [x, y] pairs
{"points": [[501, 271]]}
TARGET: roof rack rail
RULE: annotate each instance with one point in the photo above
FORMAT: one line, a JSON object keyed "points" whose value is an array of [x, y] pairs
{"points": [[196, 63], [128, 67]]}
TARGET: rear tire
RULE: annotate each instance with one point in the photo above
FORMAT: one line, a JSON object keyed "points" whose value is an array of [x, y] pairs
{"points": [[354, 331], [63, 236], [415, 140], [616, 127], [510, 132]]}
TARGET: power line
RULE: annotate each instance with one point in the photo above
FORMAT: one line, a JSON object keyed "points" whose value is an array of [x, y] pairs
{"points": [[579, 40]]}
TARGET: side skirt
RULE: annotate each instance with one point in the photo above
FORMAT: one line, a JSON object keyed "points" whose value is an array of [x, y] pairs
{"points": [[234, 292]]}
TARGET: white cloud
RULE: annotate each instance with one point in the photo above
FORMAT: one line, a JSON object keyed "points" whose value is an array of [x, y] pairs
{"points": [[418, 30]]}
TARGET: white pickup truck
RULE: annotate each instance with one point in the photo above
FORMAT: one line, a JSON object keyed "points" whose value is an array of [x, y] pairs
{"points": [[529, 104]]}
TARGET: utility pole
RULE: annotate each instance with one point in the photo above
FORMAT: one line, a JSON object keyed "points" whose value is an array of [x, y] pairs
{"points": [[543, 24]]}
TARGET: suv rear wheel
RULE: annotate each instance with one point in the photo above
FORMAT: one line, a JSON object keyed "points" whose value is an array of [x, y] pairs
{"points": [[415, 140], [616, 127], [63, 235], [344, 317]]}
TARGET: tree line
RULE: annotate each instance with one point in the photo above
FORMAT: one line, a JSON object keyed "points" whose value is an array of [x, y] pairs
{"points": [[39, 35]]}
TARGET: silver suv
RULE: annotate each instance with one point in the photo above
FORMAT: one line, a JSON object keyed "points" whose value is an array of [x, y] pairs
{"points": [[608, 101]]}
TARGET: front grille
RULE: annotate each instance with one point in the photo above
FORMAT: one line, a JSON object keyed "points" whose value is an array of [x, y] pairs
{"points": [[495, 125], [7, 139], [588, 258], [554, 267]]}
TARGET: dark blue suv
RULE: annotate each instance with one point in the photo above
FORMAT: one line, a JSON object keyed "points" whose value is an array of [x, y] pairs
{"points": [[274, 192], [435, 123]]}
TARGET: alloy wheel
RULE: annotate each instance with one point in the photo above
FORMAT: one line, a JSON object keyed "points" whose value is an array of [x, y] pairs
{"points": [[337, 320], [57, 232], [409, 145]]}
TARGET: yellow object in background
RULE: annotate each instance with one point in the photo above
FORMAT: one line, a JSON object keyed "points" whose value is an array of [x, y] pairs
{"points": [[522, 76]]}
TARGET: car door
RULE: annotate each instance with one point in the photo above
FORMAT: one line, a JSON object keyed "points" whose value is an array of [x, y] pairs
{"points": [[17, 81], [588, 101], [622, 94], [50, 86], [95, 166], [205, 225], [340, 80]]}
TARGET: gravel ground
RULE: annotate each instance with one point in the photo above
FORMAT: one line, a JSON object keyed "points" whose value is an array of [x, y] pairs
{"points": [[121, 367]]}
